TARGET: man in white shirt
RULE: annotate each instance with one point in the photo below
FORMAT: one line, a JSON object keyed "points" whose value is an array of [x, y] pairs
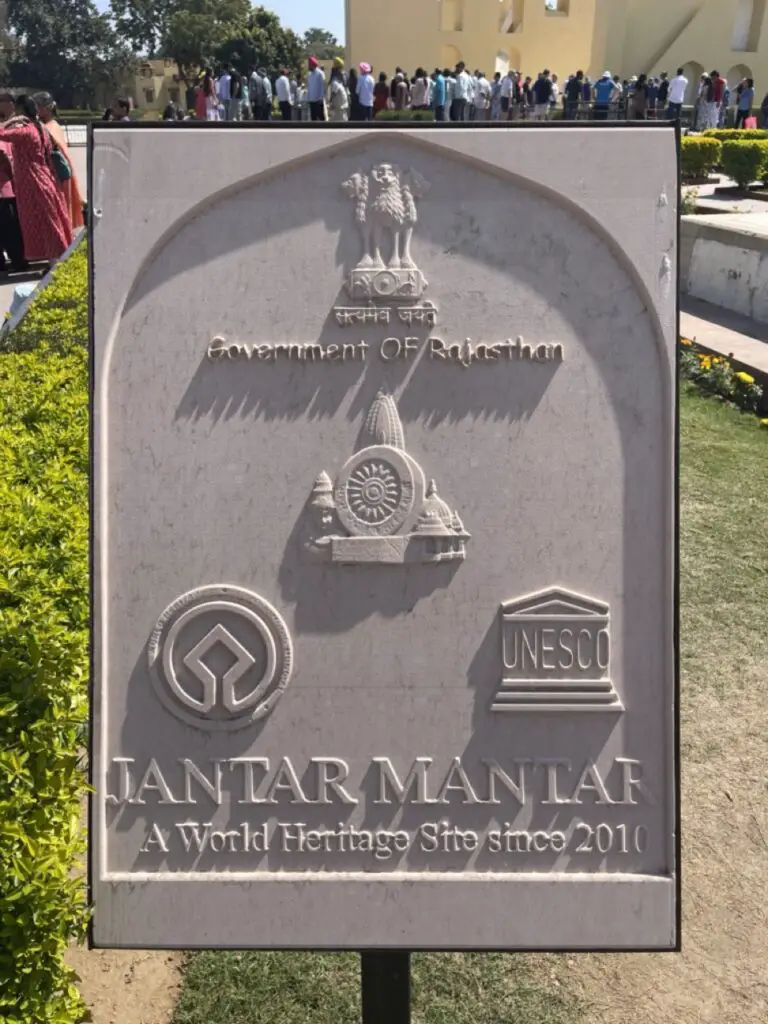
{"points": [[365, 86], [283, 93], [316, 90], [677, 90], [223, 90], [473, 79], [507, 87], [555, 94], [462, 93], [482, 98]]}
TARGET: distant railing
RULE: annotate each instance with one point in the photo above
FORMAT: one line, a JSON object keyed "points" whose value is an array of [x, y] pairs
{"points": [[76, 134]]}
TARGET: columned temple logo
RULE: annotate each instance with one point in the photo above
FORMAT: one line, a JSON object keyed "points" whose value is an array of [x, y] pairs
{"points": [[556, 654], [386, 214], [220, 657], [381, 508]]}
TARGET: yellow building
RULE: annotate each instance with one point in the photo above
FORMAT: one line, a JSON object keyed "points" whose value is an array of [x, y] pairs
{"points": [[624, 36], [156, 84]]}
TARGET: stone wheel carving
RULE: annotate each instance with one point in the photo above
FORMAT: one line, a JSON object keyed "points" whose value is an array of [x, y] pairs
{"points": [[375, 492]]}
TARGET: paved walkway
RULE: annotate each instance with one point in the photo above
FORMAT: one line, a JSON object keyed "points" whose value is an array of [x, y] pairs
{"points": [[724, 332]]}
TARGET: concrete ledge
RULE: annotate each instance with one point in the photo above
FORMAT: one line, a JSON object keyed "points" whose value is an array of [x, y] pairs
{"points": [[724, 260]]}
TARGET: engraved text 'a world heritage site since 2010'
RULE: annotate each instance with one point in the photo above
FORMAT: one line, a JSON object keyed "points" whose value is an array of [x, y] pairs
{"points": [[325, 781]]}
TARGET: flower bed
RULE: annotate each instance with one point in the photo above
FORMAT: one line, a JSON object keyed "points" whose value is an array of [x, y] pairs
{"points": [[715, 375]]}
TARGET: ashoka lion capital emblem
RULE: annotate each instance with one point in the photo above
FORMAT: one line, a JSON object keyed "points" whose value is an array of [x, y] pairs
{"points": [[385, 213]]}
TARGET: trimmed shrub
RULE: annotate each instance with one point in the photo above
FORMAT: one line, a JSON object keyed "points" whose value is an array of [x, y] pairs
{"points": [[745, 160], [735, 134], [58, 317], [43, 667], [699, 155], [81, 116], [405, 115]]}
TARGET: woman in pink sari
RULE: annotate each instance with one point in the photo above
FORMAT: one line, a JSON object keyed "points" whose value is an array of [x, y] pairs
{"points": [[43, 214], [46, 109]]}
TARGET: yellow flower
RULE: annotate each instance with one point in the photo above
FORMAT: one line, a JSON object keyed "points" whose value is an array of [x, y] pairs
{"points": [[764, 423], [745, 377], [686, 341]]}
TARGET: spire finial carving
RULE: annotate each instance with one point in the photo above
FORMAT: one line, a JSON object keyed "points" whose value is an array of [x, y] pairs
{"points": [[383, 424]]}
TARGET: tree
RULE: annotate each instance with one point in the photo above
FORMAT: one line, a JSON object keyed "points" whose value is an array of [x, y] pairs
{"points": [[66, 47], [322, 44], [143, 23], [198, 28], [264, 43]]}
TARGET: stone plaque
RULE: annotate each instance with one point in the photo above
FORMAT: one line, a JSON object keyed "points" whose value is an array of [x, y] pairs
{"points": [[384, 537]]}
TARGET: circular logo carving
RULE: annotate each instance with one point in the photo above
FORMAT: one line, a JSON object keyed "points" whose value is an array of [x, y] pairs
{"points": [[375, 492], [385, 283], [220, 657]]}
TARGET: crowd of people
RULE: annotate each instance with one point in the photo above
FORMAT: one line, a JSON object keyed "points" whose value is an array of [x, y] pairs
{"points": [[40, 201], [360, 94]]}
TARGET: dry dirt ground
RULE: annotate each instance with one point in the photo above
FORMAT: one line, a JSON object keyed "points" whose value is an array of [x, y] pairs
{"points": [[721, 977], [127, 986]]}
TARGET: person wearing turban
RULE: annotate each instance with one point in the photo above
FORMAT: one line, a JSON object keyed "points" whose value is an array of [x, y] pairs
{"points": [[365, 88], [316, 90]]}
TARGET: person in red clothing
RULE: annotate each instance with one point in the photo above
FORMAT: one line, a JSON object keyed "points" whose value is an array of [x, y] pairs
{"points": [[714, 99], [45, 223], [11, 244]]}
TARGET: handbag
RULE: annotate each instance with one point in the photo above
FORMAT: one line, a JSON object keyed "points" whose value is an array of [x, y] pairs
{"points": [[61, 167]]}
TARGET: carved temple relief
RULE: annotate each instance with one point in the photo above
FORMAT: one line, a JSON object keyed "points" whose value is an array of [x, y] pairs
{"points": [[385, 212], [381, 509]]}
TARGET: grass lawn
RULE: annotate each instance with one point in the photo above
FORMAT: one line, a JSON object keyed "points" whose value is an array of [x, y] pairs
{"points": [[724, 569], [324, 988]]}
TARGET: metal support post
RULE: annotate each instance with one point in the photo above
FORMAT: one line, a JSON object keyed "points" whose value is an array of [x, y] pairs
{"points": [[385, 981]]}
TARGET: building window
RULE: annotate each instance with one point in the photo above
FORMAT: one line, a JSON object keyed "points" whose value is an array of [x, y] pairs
{"points": [[149, 95], [450, 56], [452, 15], [511, 16], [557, 6], [748, 19], [742, 23], [735, 75]]}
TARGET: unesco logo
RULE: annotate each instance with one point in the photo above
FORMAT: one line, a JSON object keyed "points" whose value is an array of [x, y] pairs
{"points": [[220, 657]]}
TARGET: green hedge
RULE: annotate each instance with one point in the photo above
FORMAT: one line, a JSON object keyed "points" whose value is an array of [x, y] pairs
{"points": [[699, 155], [745, 160], [735, 134], [405, 115], [43, 658], [80, 116], [58, 318]]}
